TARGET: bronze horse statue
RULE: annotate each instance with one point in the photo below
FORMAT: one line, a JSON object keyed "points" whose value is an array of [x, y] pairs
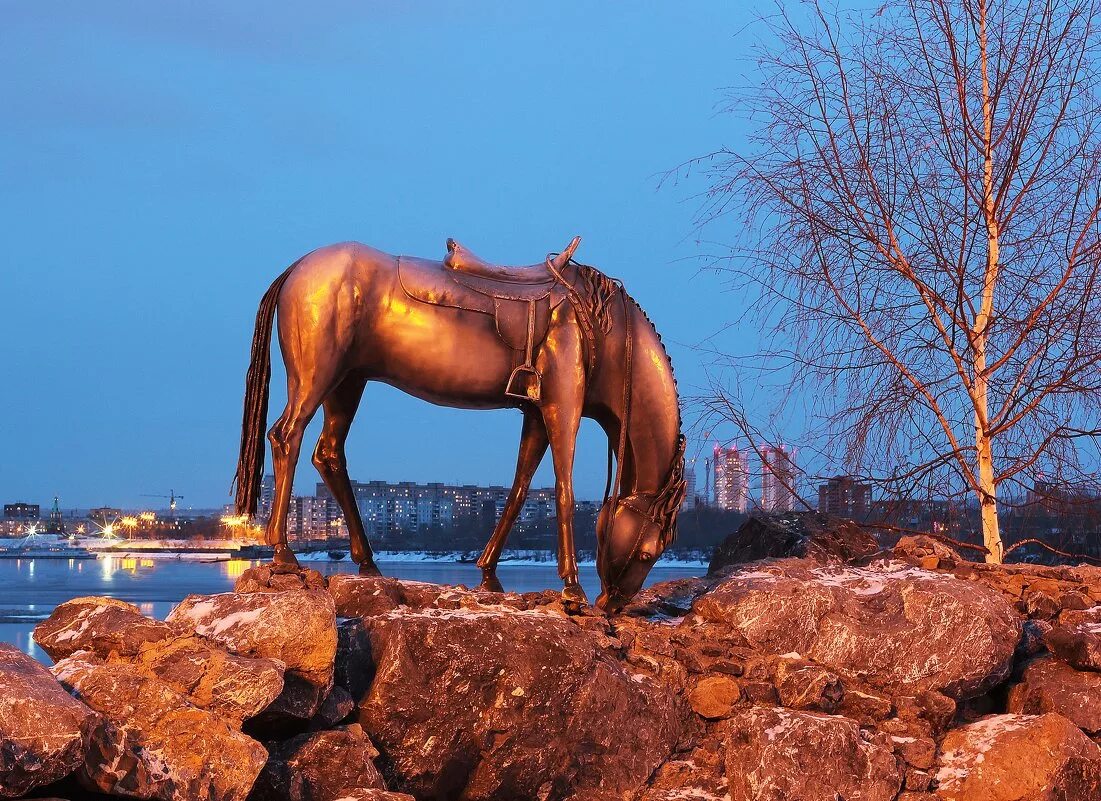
{"points": [[559, 340]]}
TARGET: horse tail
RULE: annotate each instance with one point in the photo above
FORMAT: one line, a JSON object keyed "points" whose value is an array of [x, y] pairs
{"points": [[250, 465]]}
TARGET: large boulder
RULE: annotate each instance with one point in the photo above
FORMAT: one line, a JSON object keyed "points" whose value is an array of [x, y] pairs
{"points": [[1048, 685], [43, 729], [102, 625], [1019, 758], [151, 742], [888, 625], [485, 703], [232, 686], [779, 754], [799, 534], [322, 766], [295, 627], [236, 687]]}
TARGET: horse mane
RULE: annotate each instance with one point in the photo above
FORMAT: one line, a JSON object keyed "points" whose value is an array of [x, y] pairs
{"points": [[598, 291]]}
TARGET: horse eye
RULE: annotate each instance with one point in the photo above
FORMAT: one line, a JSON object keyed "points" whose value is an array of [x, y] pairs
{"points": [[645, 556]]}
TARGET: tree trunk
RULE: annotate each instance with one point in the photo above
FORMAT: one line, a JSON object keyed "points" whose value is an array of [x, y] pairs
{"points": [[987, 488], [988, 499]]}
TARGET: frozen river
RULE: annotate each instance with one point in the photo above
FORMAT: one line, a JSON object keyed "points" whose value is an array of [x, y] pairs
{"points": [[31, 588]]}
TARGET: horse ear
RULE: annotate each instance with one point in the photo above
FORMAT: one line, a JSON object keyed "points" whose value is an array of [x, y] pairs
{"points": [[563, 258]]}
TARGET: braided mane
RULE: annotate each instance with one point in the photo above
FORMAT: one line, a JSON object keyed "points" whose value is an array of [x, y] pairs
{"points": [[599, 291]]}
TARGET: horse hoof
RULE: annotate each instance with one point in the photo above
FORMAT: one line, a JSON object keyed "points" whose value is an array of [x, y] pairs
{"points": [[490, 583], [285, 557], [369, 568], [573, 594]]}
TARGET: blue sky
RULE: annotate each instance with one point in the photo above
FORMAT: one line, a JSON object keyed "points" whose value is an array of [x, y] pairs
{"points": [[161, 163]]}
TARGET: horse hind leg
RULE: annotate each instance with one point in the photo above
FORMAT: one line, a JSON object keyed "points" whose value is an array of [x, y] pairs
{"points": [[303, 400], [331, 462]]}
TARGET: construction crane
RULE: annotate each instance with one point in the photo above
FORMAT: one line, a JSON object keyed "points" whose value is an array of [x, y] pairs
{"points": [[172, 498]]}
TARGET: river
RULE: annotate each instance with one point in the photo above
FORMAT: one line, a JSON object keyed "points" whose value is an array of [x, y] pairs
{"points": [[31, 588]]}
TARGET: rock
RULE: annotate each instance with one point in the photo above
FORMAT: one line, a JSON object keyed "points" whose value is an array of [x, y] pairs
{"points": [[802, 685], [887, 625], [296, 627], [1077, 645], [1040, 605], [336, 708], [799, 534], [101, 625], [779, 755], [42, 728], [917, 547], [1019, 758], [366, 596], [321, 766], [151, 742], [275, 577], [864, 707], [485, 703], [918, 752], [932, 709], [714, 697], [699, 775], [1048, 685], [667, 599], [1033, 634], [229, 685], [361, 794]]}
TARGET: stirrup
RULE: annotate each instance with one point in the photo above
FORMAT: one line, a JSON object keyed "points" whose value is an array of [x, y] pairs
{"points": [[533, 384]]}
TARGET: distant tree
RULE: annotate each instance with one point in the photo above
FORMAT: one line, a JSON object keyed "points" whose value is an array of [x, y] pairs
{"points": [[919, 205]]}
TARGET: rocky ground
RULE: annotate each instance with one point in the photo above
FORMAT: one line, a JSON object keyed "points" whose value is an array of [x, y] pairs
{"points": [[823, 670]]}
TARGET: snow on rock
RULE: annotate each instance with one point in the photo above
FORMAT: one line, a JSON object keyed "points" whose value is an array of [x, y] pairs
{"points": [[102, 625], [151, 742], [1018, 758], [43, 730], [888, 624]]}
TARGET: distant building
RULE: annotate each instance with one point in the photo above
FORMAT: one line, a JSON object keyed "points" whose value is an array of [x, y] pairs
{"points": [[387, 508], [312, 518], [846, 497], [690, 499], [777, 479], [22, 511], [104, 513], [731, 480], [267, 494]]}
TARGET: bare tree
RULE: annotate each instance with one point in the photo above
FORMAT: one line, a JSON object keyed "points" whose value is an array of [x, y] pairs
{"points": [[918, 207]]}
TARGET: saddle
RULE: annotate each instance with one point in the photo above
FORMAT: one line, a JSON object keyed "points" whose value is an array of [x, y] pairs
{"points": [[520, 299]]}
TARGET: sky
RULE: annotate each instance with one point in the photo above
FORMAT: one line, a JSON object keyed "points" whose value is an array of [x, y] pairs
{"points": [[162, 163]]}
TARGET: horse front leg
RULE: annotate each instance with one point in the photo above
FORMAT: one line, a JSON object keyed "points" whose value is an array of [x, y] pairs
{"points": [[533, 445], [562, 421]]}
